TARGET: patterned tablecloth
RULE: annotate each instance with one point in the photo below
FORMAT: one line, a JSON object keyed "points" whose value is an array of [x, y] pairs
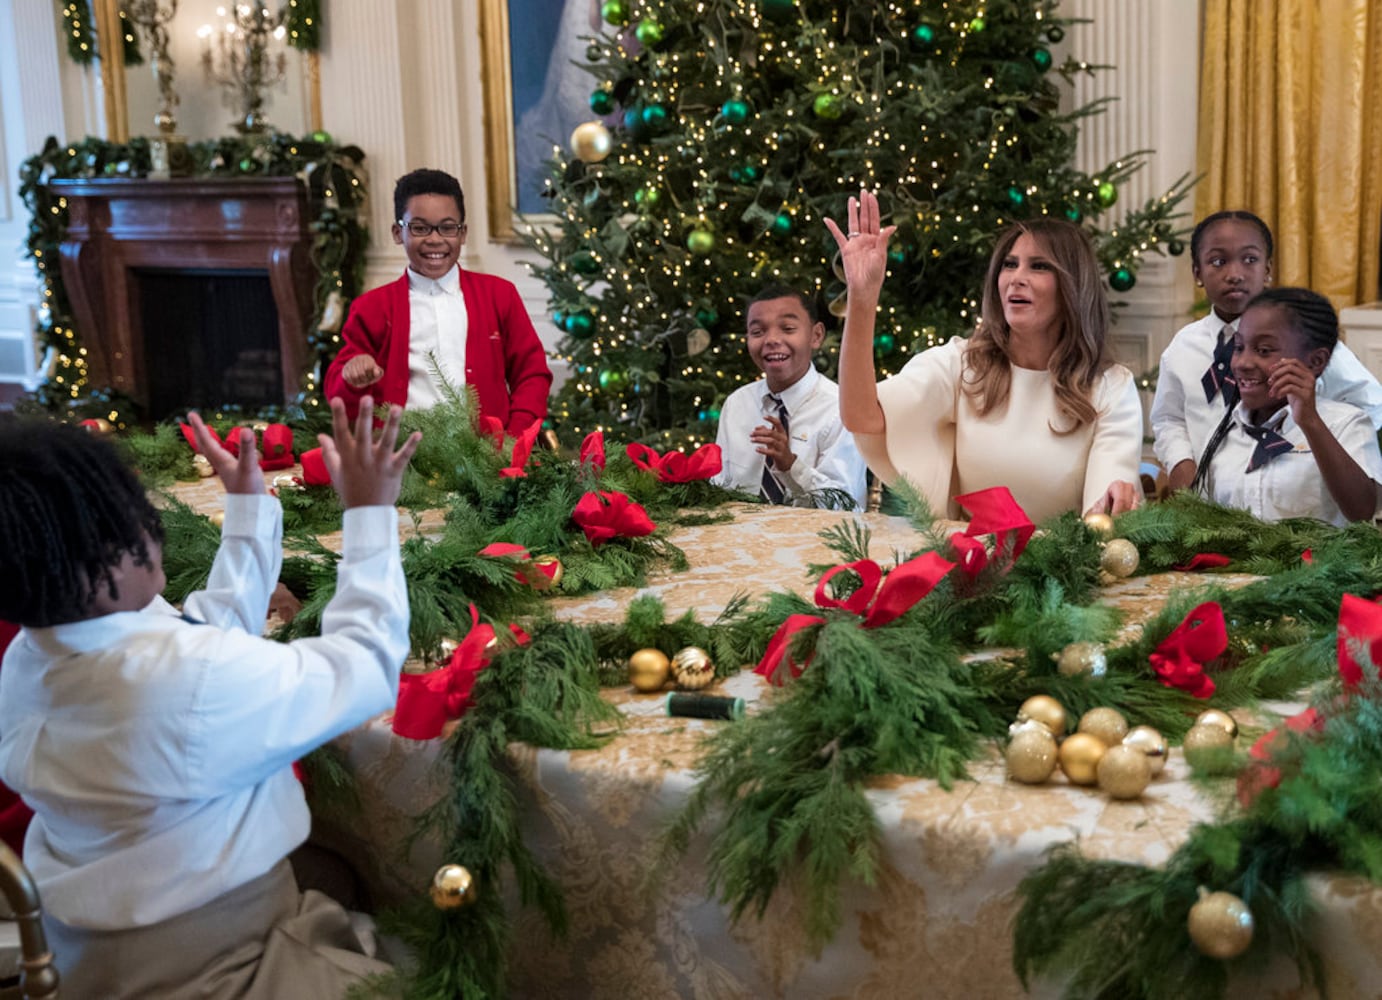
{"points": [[937, 925]]}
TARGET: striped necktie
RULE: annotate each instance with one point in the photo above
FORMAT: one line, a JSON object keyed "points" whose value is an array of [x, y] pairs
{"points": [[1219, 378], [1270, 445], [772, 490]]}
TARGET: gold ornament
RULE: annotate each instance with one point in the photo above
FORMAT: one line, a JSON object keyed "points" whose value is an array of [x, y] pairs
{"points": [[1151, 743], [1220, 718], [286, 481], [1100, 524], [1220, 924], [591, 142], [217, 517], [452, 886], [445, 649], [1124, 772], [1046, 710], [1208, 748], [1079, 757], [692, 668], [1106, 723], [1120, 558], [649, 670], [259, 426], [203, 466], [1082, 658], [538, 579], [1031, 754]]}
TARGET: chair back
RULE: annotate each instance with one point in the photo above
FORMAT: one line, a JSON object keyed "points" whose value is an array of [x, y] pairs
{"points": [[38, 980]]}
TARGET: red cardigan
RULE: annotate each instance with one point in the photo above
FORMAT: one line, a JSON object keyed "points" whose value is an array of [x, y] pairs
{"points": [[504, 360]]}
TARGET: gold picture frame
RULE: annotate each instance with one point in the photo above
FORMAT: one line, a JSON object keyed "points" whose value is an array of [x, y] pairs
{"points": [[498, 120]]}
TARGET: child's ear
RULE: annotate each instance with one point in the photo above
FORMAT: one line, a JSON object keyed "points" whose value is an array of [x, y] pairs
{"points": [[397, 234], [817, 336], [1267, 276], [1318, 360]]}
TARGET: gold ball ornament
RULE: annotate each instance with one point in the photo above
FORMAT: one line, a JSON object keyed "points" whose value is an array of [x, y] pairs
{"points": [[1120, 558], [203, 466], [1031, 754], [1220, 924], [453, 886], [1079, 757], [1082, 658], [1124, 772], [649, 670], [1106, 723], [1220, 718], [538, 578], [259, 426], [1208, 749], [1046, 710], [591, 142], [217, 517], [1100, 524], [1152, 744], [692, 669]]}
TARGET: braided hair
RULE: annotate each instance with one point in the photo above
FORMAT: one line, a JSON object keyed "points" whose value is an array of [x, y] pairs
{"points": [[70, 511], [1235, 215]]}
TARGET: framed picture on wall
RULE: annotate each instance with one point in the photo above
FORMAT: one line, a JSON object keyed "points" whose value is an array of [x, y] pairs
{"points": [[536, 92]]}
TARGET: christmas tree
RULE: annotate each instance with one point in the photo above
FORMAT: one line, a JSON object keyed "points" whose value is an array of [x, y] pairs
{"points": [[728, 129]]}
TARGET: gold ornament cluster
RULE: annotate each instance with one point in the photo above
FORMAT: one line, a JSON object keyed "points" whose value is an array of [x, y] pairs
{"points": [[1209, 745], [651, 669], [1102, 751], [1120, 556]]}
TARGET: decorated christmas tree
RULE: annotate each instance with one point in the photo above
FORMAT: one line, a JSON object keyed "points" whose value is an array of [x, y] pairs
{"points": [[725, 131]]}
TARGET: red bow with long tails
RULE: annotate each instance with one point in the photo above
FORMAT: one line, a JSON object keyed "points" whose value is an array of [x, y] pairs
{"points": [[605, 515], [1180, 658], [992, 512], [676, 466]]}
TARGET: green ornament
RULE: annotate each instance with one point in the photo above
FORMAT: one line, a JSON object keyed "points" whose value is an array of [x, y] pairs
{"points": [[1074, 213], [1175, 248], [559, 318], [1055, 33], [897, 257], [1041, 58], [735, 111], [594, 53], [1017, 196], [923, 36], [884, 343], [779, 10], [584, 262], [782, 224], [322, 136], [700, 241], [1122, 280], [580, 325], [647, 197], [978, 24], [654, 115], [713, 413], [614, 12], [247, 165], [601, 102], [1108, 193], [828, 107], [612, 378], [736, 174], [649, 32], [752, 172], [706, 318]]}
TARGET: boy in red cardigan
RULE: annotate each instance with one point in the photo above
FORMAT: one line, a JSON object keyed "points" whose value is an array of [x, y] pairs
{"points": [[439, 320]]}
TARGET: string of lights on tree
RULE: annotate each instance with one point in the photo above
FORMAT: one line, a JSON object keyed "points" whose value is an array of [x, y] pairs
{"points": [[79, 29], [334, 177], [726, 130]]}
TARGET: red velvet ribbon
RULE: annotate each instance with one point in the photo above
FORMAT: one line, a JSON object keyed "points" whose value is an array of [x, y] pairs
{"points": [[676, 466], [593, 450], [503, 550], [1360, 640], [492, 428], [605, 515], [522, 448], [991, 512], [275, 444], [1203, 560], [314, 468], [1179, 659]]}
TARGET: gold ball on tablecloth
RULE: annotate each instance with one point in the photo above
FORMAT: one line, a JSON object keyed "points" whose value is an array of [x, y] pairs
{"points": [[1100, 524], [591, 142], [1106, 723], [1079, 757], [692, 668], [452, 886], [1208, 748], [1082, 658], [217, 517], [649, 670], [1031, 754], [539, 579], [1124, 772], [1046, 710], [1151, 743], [1220, 924], [286, 481], [203, 466], [1220, 718], [1120, 558]]}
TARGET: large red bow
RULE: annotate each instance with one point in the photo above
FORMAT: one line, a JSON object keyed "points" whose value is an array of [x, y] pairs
{"points": [[522, 448], [593, 450], [531, 573], [275, 444], [314, 468], [605, 514], [1179, 659], [676, 466], [877, 599], [992, 512]]}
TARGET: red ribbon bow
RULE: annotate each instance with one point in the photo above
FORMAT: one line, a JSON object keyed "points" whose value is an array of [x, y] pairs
{"points": [[878, 600], [275, 444], [314, 468], [676, 466], [593, 450], [503, 550], [492, 428], [605, 515], [522, 448], [1179, 659], [992, 512], [1203, 560], [427, 701]]}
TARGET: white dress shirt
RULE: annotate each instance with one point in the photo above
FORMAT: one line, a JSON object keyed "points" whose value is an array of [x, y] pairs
{"points": [[156, 753], [1290, 485], [826, 457], [437, 325], [1183, 421]]}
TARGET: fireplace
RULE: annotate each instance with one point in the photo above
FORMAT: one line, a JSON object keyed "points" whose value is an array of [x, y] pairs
{"points": [[190, 292]]}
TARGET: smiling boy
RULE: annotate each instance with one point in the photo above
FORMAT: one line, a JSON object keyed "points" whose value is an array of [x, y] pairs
{"points": [[439, 319], [781, 437]]}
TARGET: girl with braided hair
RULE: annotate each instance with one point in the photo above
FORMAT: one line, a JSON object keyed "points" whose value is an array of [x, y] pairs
{"points": [[1283, 451]]}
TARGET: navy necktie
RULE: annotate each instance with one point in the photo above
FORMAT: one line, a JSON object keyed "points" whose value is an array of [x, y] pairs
{"points": [[772, 490], [1219, 378], [1270, 445]]}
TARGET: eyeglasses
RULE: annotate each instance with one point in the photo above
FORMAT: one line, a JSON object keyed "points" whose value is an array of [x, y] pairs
{"points": [[419, 229]]}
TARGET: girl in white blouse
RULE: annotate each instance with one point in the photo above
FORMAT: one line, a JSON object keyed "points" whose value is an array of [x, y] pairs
{"points": [[1031, 401]]}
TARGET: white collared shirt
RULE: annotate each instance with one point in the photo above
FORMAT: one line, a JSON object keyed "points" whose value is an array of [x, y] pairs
{"points": [[437, 324], [1290, 485], [826, 457]]}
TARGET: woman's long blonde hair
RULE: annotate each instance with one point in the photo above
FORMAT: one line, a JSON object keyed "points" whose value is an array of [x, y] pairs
{"points": [[1081, 353]]}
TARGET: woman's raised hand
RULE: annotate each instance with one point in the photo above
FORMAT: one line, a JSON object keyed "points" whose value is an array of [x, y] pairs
{"points": [[864, 246]]}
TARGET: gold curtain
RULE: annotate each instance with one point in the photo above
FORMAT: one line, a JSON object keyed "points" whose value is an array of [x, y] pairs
{"points": [[1290, 127]]}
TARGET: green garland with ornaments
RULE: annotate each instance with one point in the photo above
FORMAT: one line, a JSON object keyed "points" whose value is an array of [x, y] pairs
{"points": [[336, 183], [301, 19]]}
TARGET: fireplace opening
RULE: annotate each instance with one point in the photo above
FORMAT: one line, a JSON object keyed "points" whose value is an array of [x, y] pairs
{"points": [[211, 339]]}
